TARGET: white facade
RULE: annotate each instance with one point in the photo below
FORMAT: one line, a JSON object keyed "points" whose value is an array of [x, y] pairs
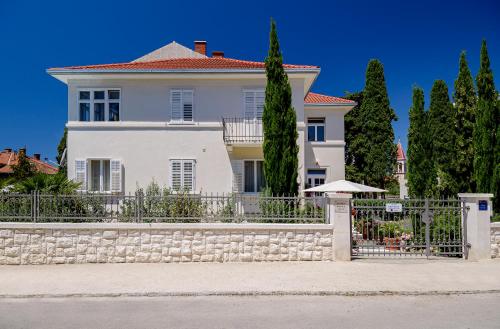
{"points": [[147, 144]]}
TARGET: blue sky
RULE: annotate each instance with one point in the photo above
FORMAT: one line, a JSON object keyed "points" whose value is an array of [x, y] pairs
{"points": [[418, 42]]}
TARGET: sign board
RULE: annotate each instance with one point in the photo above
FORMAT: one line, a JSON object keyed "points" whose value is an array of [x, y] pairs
{"points": [[483, 205], [393, 207], [341, 206]]}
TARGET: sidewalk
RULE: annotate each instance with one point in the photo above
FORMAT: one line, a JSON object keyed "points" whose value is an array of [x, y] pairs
{"points": [[367, 277]]}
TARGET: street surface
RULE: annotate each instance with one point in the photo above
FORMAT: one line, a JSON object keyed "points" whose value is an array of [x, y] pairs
{"points": [[441, 311]]}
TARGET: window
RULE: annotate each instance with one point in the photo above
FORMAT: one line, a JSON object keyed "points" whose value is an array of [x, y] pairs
{"points": [[105, 105], [99, 175], [316, 177], [182, 174], [254, 103], [181, 102], [254, 180], [316, 129]]}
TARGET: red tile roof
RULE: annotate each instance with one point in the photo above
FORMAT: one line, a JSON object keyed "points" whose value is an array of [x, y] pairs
{"points": [[209, 63], [313, 98], [10, 158], [400, 155]]}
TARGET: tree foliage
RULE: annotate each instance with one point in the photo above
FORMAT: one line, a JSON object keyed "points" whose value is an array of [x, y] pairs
{"points": [[45, 183], [376, 115], [354, 146], [24, 168], [60, 151], [279, 124], [464, 98], [420, 167], [485, 125], [442, 129]]}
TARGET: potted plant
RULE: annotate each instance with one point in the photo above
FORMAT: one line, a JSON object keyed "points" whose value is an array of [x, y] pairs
{"points": [[391, 231]]}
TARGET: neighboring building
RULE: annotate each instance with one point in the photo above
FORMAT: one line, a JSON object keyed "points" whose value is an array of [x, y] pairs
{"points": [[401, 171], [9, 158], [189, 120]]}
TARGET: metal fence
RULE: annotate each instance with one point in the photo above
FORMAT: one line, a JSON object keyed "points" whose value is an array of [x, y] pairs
{"points": [[169, 208], [408, 228]]}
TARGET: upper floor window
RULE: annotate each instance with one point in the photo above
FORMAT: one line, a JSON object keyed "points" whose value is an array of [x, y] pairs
{"points": [[181, 101], [99, 105], [182, 174], [316, 129], [254, 103]]}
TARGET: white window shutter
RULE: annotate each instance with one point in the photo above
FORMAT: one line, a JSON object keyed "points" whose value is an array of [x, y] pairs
{"points": [[81, 174], [175, 174], [188, 171], [176, 104], [260, 98], [237, 166], [249, 104], [187, 105], [116, 175]]}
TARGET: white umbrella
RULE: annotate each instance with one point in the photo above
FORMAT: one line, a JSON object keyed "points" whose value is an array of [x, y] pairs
{"points": [[343, 186]]}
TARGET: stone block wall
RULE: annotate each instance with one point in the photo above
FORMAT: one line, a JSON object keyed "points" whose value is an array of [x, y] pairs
{"points": [[51, 243], [495, 240]]}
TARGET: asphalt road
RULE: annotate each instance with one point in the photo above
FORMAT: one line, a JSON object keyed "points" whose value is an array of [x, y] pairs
{"points": [[454, 311]]}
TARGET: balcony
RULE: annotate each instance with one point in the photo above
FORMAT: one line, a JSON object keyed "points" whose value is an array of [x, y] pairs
{"points": [[241, 131]]}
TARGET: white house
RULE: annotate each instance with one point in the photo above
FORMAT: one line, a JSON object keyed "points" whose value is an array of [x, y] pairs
{"points": [[186, 119]]}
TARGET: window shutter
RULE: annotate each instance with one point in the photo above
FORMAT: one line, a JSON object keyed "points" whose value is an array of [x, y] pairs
{"points": [[175, 174], [81, 174], [176, 104], [187, 101], [237, 166], [260, 99], [249, 104], [116, 175], [188, 175]]}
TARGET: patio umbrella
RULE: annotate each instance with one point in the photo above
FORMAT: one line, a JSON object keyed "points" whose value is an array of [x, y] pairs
{"points": [[344, 186]]}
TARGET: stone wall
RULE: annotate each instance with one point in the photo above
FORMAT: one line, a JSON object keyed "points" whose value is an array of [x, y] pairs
{"points": [[51, 243], [495, 240]]}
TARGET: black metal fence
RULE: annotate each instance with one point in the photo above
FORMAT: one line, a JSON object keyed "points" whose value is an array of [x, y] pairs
{"points": [[241, 130], [408, 228], [170, 208]]}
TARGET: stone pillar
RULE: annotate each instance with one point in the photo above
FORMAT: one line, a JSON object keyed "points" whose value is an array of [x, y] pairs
{"points": [[477, 224], [339, 210]]}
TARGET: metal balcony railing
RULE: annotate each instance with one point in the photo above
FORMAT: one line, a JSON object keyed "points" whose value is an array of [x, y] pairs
{"points": [[242, 131]]}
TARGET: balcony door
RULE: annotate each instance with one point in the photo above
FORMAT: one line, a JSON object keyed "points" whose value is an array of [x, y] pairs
{"points": [[254, 108]]}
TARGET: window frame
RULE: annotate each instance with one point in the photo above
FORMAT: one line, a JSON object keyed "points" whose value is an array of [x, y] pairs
{"points": [[101, 175], [106, 101], [315, 126], [255, 112], [255, 180], [315, 176], [182, 178], [182, 119]]}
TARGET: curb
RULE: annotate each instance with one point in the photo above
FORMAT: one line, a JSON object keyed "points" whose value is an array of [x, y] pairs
{"points": [[255, 294]]}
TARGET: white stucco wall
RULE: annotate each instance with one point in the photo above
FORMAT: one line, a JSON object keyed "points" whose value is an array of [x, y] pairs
{"points": [[145, 141]]}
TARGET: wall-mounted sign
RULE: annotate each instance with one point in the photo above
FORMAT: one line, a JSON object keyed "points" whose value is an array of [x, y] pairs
{"points": [[483, 205], [393, 207], [341, 206]]}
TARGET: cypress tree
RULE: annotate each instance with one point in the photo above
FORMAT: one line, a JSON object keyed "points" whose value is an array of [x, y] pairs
{"points": [[465, 107], [442, 129], [279, 124], [379, 155], [354, 140], [485, 128], [419, 159], [60, 150]]}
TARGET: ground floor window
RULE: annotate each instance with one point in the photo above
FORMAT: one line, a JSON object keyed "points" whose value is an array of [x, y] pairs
{"points": [[315, 177], [99, 175], [182, 174], [100, 178], [254, 180]]}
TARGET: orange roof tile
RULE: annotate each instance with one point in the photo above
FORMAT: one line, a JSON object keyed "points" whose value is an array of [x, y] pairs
{"points": [[209, 63], [313, 98], [400, 155], [10, 158]]}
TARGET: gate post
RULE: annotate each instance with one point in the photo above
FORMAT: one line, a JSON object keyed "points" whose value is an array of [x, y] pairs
{"points": [[476, 224], [339, 211]]}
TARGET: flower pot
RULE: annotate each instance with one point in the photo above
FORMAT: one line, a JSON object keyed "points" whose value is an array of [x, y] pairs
{"points": [[391, 243]]}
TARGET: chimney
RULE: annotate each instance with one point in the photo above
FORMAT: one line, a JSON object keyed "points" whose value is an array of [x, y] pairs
{"points": [[22, 151], [37, 156], [8, 149], [200, 47], [217, 54]]}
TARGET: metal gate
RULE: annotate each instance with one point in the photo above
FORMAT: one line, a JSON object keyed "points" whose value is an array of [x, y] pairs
{"points": [[408, 228]]}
